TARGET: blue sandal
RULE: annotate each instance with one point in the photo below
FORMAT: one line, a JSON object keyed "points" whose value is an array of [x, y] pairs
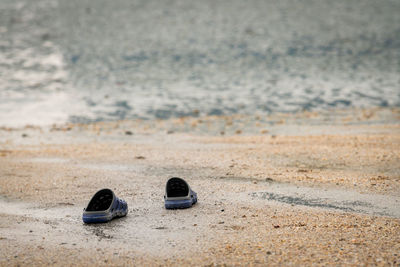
{"points": [[103, 207], [178, 194]]}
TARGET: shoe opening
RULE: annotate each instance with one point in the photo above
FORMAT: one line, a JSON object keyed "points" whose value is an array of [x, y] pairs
{"points": [[177, 187], [101, 201]]}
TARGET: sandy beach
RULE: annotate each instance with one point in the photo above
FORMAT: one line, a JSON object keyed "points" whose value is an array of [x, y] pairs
{"points": [[300, 189], [283, 116]]}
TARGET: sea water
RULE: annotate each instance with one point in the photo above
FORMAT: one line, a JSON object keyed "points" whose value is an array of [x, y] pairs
{"points": [[93, 60]]}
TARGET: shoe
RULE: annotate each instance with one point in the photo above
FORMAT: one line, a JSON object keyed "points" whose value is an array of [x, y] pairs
{"points": [[178, 194], [103, 207]]}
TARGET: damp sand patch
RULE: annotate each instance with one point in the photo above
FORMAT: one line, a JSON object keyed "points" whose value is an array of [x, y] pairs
{"points": [[331, 199]]}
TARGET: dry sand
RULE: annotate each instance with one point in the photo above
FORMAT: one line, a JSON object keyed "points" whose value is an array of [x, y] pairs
{"points": [[283, 190]]}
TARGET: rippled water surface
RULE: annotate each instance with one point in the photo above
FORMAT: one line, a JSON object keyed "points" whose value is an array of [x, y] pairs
{"points": [[89, 60]]}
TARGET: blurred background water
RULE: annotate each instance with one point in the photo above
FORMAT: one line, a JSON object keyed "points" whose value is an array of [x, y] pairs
{"points": [[91, 60]]}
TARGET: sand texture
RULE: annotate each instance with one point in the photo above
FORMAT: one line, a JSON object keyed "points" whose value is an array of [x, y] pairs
{"points": [[281, 190]]}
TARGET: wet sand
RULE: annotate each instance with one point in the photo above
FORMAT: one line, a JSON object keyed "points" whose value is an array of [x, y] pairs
{"points": [[296, 189]]}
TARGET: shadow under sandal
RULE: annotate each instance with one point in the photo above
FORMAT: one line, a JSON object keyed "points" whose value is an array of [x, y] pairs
{"points": [[178, 194], [103, 207]]}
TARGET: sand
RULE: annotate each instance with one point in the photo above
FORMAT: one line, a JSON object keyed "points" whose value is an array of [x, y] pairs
{"points": [[301, 189]]}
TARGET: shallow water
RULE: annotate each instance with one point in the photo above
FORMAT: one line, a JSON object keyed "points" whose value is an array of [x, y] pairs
{"points": [[84, 61]]}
